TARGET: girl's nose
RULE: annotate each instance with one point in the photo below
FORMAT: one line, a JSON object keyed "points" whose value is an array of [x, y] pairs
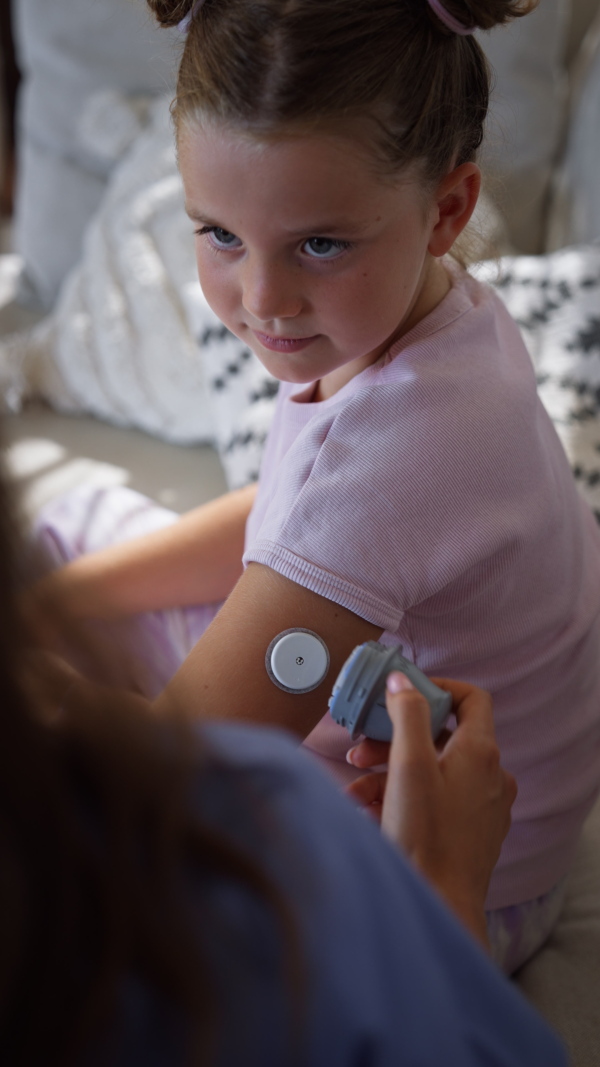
{"points": [[270, 291]]}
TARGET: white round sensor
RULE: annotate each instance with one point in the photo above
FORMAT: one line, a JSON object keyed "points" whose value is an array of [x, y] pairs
{"points": [[297, 661]]}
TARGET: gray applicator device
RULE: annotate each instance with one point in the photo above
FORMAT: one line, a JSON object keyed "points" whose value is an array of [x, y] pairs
{"points": [[358, 698]]}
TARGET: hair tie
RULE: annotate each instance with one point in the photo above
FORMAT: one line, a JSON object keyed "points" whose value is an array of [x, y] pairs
{"points": [[453, 24], [184, 25]]}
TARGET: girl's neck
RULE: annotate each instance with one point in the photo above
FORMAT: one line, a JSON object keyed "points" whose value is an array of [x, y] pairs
{"points": [[435, 287]]}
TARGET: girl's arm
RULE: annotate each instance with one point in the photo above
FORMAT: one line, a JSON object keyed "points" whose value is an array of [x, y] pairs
{"points": [[196, 560], [224, 677]]}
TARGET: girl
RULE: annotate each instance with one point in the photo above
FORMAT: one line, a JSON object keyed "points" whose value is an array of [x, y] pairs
{"points": [[413, 488]]}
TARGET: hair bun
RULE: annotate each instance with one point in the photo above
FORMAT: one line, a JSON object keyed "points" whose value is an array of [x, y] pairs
{"points": [[170, 12], [485, 14]]}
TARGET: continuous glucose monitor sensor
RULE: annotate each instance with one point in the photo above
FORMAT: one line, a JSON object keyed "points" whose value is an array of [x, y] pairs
{"points": [[297, 660], [358, 698]]}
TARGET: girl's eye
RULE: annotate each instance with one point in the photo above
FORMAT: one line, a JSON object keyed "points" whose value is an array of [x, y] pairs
{"points": [[219, 237], [324, 247]]}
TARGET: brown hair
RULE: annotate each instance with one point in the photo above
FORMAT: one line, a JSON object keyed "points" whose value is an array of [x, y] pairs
{"points": [[273, 65], [101, 854]]}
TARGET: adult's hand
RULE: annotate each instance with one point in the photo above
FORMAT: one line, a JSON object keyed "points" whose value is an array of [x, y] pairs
{"points": [[448, 807]]}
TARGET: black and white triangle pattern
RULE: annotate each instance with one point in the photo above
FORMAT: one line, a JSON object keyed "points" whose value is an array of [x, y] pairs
{"points": [[242, 397], [556, 301]]}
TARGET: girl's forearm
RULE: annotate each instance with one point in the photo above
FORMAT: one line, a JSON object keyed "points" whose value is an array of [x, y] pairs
{"points": [[196, 560]]}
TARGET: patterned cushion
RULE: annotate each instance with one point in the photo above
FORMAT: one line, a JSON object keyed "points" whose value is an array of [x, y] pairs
{"points": [[556, 301]]}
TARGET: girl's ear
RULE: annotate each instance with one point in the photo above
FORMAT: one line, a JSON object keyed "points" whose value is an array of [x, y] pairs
{"points": [[455, 200]]}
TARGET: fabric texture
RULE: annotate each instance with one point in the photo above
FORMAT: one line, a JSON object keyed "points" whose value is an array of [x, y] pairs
{"points": [[383, 956], [517, 932], [555, 301], [431, 496], [88, 518]]}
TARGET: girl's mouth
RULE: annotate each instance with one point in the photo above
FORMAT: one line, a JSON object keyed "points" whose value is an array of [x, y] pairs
{"points": [[283, 344]]}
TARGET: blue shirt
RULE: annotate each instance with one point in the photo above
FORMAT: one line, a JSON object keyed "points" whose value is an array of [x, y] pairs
{"points": [[393, 979]]}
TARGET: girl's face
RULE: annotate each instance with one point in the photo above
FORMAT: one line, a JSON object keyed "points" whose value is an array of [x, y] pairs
{"points": [[312, 260]]}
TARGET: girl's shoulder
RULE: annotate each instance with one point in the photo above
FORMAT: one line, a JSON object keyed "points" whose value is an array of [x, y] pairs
{"points": [[468, 339], [469, 329]]}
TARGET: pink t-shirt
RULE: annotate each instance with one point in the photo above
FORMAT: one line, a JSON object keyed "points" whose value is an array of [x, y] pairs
{"points": [[432, 497]]}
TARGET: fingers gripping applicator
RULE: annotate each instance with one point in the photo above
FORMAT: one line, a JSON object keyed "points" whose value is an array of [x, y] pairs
{"points": [[358, 698]]}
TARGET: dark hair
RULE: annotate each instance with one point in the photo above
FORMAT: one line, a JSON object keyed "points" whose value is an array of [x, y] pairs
{"points": [[272, 65], [97, 839]]}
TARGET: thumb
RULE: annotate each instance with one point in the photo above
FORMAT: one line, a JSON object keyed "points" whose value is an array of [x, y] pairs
{"points": [[411, 718], [412, 762]]}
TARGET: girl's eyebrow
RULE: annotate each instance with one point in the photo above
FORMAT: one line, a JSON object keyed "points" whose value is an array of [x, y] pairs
{"points": [[331, 227], [197, 216]]}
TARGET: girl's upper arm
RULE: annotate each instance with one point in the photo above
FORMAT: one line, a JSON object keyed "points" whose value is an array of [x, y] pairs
{"points": [[224, 676]]}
